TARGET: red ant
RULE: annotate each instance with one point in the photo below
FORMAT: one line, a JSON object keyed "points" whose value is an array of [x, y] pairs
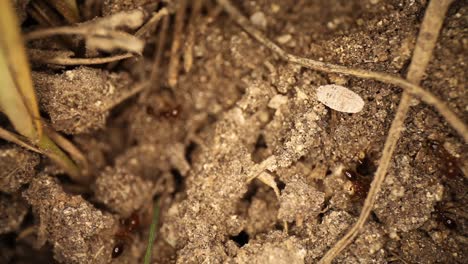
{"points": [[443, 217], [451, 166], [127, 227], [361, 176], [166, 112]]}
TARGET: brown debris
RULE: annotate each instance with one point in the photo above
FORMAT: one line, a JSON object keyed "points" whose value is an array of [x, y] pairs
{"points": [[17, 167], [78, 232]]}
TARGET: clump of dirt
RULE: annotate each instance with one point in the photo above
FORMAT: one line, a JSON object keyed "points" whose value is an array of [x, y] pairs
{"points": [[276, 247], [13, 210], [122, 191], [79, 100], [78, 232], [299, 202], [246, 165], [18, 168]]}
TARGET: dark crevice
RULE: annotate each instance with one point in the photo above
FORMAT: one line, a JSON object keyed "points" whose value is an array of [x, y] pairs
{"points": [[192, 146], [178, 181], [241, 239]]}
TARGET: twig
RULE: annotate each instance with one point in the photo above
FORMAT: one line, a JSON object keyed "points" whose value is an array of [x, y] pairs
{"points": [[159, 50], [71, 149], [81, 61], [152, 23], [127, 94], [173, 71], [45, 147], [192, 28], [49, 32], [427, 38], [19, 140], [412, 89]]}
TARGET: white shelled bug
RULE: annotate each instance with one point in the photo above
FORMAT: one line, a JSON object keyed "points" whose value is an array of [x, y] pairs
{"points": [[340, 98]]}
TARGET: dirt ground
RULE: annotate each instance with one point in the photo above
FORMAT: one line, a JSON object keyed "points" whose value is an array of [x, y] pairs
{"points": [[192, 147]]}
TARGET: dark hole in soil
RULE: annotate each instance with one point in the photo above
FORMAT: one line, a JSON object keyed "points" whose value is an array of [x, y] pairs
{"points": [[366, 167], [241, 239], [281, 185], [250, 192], [404, 70], [192, 146], [261, 143], [8, 240], [375, 217], [178, 180], [320, 217], [259, 146]]}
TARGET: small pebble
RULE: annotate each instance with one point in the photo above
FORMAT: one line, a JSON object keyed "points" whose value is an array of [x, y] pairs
{"points": [[259, 19], [284, 38]]}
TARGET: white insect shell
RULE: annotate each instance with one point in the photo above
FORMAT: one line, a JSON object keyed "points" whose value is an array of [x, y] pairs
{"points": [[340, 98]]}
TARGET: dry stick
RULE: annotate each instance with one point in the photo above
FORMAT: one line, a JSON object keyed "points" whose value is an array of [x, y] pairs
{"points": [[127, 94], [71, 149], [84, 30], [83, 61], [412, 89], [19, 140], [159, 50], [426, 42], [173, 71], [147, 27], [152, 23], [192, 28], [48, 32]]}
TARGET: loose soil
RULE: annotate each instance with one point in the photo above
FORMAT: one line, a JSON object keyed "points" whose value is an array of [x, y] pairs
{"points": [[192, 147]]}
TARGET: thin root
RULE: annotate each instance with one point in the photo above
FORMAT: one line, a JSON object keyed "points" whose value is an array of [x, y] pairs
{"points": [[159, 50], [173, 71], [82, 61], [192, 28]]}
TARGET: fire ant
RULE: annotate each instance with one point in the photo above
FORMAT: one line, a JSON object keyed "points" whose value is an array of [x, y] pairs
{"points": [[448, 170], [451, 166], [125, 233], [361, 176], [443, 216], [165, 113]]}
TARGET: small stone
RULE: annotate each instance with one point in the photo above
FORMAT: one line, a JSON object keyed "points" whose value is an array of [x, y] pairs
{"points": [[259, 20], [283, 39], [277, 101]]}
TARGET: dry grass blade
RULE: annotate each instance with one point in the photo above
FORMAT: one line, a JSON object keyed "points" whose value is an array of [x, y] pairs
{"points": [[51, 150], [103, 33], [428, 35], [96, 38], [17, 98], [57, 60], [46, 147], [173, 71], [68, 9], [72, 150], [152, 23], [12, 103], [12, 137], [192, 28], [159, 50], [15, 64]]}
